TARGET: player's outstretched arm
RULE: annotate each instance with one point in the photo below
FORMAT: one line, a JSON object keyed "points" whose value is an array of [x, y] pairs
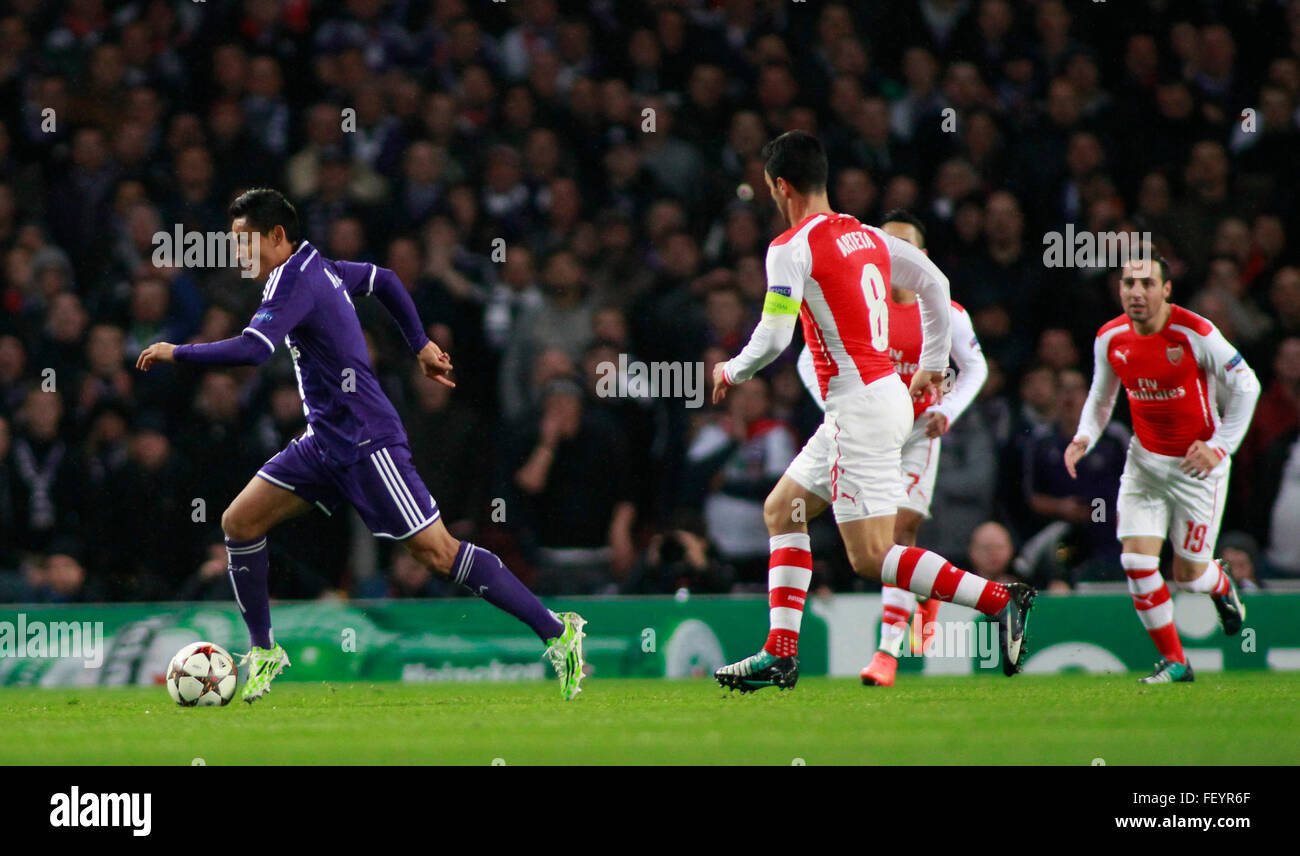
{"points": [[772, 335], [158, 352], [363, 279], [247, 349], [787, 267], [284, 304], [1097, 409]]}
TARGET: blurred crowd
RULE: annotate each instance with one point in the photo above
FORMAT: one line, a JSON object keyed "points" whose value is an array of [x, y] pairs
{"points": [[562, 184]]}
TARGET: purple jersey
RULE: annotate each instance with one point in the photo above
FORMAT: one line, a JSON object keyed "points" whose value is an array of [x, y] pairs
{"points": [[307, 305]]}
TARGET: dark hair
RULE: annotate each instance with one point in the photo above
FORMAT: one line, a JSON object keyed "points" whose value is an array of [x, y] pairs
{"points": [[902, 215], [1147, 252], [264, 208], [798, 157]]}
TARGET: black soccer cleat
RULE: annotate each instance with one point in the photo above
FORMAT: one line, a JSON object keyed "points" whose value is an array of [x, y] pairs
{"points": [[758, 671], [1232, 612], [1013, 623]]}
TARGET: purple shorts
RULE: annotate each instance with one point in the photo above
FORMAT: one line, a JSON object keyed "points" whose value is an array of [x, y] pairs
{"points": [[383, 486]]}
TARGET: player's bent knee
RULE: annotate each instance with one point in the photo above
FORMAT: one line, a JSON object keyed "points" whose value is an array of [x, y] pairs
{"points": [[238, 526], [867, 549], [867, 562], [434, 547], [786, 510], [776, 511]]}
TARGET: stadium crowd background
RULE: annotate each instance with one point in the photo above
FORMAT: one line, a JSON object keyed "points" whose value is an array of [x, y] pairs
{"points": [[523, 121]]}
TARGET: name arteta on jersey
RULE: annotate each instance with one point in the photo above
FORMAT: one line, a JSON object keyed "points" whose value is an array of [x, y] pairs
{"points": [[851, 242]]}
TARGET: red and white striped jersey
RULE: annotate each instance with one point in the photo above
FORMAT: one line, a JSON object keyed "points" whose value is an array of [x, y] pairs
{"points": [[1174, 379], [836, 273], [844, 314], [906, 338]]}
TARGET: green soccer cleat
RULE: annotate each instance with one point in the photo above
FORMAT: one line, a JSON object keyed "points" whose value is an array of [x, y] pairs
{"points": [[1232, 612], [565, 652], [760, 670], [1169, 672], [264, 664]]}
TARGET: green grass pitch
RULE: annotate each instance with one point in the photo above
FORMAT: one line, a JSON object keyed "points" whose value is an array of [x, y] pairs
{"points": [[1224, 718]]}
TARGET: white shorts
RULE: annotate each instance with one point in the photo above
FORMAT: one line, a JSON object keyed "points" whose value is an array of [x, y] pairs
{"points": [[920, 468], [1158, 500], [853, 459]]}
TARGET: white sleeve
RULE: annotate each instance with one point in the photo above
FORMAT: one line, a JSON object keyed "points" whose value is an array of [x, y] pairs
{"points": [[808, 374], [1101, 396], [788, 265], [972, 369], [912, 269], [1238, 380]]}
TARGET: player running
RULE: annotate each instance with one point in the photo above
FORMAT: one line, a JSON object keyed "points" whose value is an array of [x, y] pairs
{"points": [[1176, 367], [920, 455], [354, 448], [832, 271]]}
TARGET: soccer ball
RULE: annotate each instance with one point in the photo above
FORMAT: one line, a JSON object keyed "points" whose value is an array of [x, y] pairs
{"points": [[201, 675]]}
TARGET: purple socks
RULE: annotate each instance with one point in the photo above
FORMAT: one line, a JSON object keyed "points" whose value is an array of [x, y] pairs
{"points": [[485, 575], [477, 569], [249, 568]]}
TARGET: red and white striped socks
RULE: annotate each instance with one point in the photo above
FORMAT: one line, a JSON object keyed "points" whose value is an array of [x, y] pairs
{"points": [[896, 618], [930, 575], [1212, 581], [1151, 600], [789, 572]]}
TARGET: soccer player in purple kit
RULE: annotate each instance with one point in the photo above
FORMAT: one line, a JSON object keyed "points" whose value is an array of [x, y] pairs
{"points": [[354, 448]]}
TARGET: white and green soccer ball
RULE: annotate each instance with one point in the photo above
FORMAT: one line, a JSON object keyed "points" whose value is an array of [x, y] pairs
{"points": [[202, 675]]}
